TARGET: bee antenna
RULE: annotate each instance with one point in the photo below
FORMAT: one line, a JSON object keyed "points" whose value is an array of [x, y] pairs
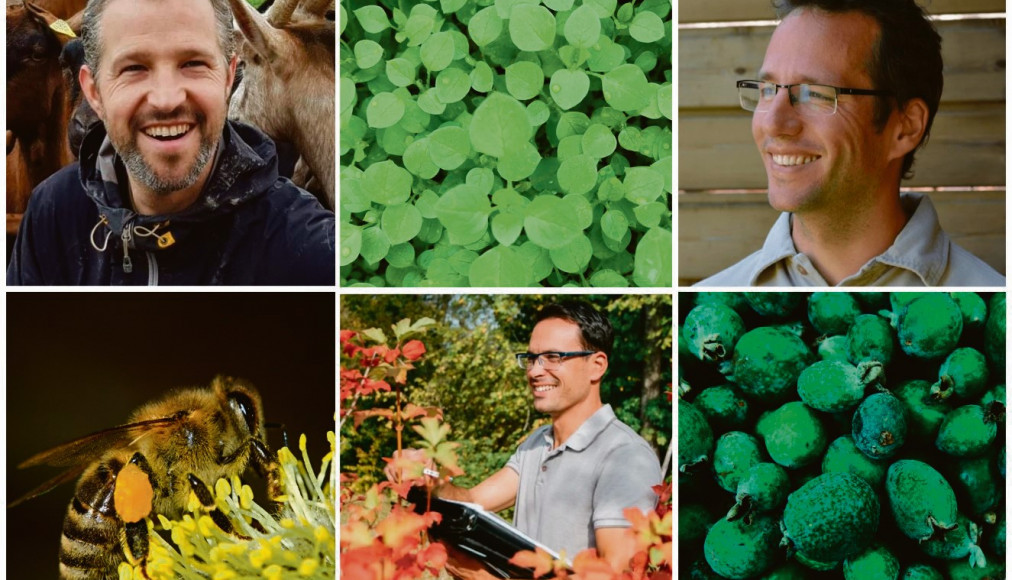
{"points": [[276, 425]]}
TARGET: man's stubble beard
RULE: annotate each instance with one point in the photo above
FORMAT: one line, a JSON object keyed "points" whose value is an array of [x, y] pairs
{"points": [[139, 168]]}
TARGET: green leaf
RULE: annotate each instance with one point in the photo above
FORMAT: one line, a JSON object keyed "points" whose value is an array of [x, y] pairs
{"points": [[604, 8], [608, 279], [578, 174], [506, 227], [430, 103], [351, 243], [569, 87], [646, 27], [664, 101], [524, 80], [519, 163], [574, 257], [643, 185], [598, 141], [401, 255], [548, 224], [581, 209], [625, 88], [538, 113], [532, 28], [401, 222], [387, 183], [605, 55], [559, 5], [485, 26], [583, 27], [372, 18], [449, 147], [451, 6], [426, 204], [537, 259], [417, 161], [452, 85], [419, 24], [499, 125], [482, 178], [375, 244], [367, 53], [400, 71], [614, 224], [500, 267], [653, 259], [650, 215], [437, 51], [464, 211], [482, 77], [384, 110]]}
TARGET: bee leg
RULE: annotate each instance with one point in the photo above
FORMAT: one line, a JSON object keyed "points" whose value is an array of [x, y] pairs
{"points": [[265, 462], [207, 500], [135, 544]]}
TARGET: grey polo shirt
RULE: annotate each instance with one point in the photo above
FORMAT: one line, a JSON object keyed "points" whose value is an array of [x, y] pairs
{"points": [[565, 493], [921, 255]]}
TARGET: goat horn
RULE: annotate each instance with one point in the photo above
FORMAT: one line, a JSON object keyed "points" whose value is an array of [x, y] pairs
{"points": [[280, 13]]}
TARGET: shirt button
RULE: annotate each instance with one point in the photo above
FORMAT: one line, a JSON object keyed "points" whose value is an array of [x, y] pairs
{"points": [[802, 270], [544, 468]]}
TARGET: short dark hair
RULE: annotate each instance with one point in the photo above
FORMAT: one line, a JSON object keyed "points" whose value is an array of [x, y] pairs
{"points": [[596, 332], [906, 61]]}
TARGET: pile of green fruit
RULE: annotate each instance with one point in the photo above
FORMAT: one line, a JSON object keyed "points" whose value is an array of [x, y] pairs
{"points": [[830, 433]]}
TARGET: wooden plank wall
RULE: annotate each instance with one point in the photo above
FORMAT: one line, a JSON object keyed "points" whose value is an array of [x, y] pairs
{"points": [[965, 152]]}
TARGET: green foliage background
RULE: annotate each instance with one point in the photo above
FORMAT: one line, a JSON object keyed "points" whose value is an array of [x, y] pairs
{"points": [[469, 372]]}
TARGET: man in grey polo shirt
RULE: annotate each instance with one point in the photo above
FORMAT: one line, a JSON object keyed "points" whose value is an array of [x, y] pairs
{"points": [[571, 480]]}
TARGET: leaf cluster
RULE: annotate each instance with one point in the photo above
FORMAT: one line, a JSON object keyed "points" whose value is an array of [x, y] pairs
{"points": [[504, 143]]}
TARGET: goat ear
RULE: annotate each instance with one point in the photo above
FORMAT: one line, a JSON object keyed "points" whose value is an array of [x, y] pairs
{"points": [[264, 39]]}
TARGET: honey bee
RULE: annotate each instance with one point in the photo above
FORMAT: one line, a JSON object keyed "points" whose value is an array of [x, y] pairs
{"points": [[168, 448]]}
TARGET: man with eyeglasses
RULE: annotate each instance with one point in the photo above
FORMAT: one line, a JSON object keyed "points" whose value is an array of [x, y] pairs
{"points": [[846, 95], [570, 481]]}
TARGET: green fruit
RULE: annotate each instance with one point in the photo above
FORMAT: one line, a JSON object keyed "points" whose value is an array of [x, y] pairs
{"points": [[789, 571], [775, 304], [712, 331], [929, 326], [969, 430], [998, 537], [978, 486], [972, 307], [994, 395], [994, 334], [763, 488], [962, 570], [880, 425], [722, 406], [924, 413], [738, 550], [767, 362], [872, 300], [814, 564], [876, 562], [921, 572], [963, 375], [736, 453], [695, 438], [921, 500], [693, 522], [735, 300], [843, 456], [834, 386], [959, 542], [834, 348], [832, 312], [793, 434], [898, 300], [870, 338], [832, 517]]}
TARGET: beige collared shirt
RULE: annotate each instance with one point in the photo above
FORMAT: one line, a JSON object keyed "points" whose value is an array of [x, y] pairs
{"points": [[921, 255]]}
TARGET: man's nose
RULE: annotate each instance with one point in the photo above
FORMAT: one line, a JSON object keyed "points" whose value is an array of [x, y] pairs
{"points": [[167, 91], [535, 369], [780, 116]]}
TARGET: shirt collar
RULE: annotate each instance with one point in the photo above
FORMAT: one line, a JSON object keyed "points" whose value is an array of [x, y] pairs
{"points": [[587, 432]]}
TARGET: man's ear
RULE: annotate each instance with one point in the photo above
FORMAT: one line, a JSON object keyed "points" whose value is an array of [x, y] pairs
{"points": [[599, 362], [232, 64], [913, 122], [90, 89]]}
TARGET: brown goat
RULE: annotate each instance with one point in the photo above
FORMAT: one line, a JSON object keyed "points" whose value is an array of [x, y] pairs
{"points": [[288, 82], [38, 106]]}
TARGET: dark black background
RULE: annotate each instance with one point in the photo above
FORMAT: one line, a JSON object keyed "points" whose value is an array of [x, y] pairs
{"points": [[81, 362]]}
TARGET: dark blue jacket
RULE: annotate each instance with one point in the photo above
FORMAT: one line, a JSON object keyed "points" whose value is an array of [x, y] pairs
{"points": [[249, 227]]}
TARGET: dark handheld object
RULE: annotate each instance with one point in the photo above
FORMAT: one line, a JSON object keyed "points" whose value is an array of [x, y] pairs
{"points": [[481, 534]]}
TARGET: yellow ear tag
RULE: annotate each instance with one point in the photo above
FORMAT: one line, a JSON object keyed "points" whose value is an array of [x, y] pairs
{"points": [[166, 240], [61, 27]]}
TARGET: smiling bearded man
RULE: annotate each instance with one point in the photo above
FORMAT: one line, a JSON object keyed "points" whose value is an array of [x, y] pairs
{"points": [[168, 191]]}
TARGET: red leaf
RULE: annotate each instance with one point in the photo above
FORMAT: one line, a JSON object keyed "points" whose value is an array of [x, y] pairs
{"points": [[540, 560], [413, 350], [360, 416], [347, 335], [589, 566]]}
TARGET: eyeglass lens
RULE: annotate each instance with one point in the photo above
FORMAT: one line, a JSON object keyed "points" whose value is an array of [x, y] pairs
{"points": [[758, 96]]}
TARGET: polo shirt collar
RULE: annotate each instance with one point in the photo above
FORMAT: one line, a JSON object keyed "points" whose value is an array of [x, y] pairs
{"points": [[587, 432]]}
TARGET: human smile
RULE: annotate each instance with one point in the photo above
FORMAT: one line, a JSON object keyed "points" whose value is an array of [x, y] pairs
{"points": [[168, 132], [543, 388], [793, 160]]}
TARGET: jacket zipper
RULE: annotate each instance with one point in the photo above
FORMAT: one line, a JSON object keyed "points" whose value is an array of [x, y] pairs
{"points": [[127, 238], [152, 269]]}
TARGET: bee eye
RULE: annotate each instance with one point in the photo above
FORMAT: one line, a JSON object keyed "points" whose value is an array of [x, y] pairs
{"points": [[243, 406]]}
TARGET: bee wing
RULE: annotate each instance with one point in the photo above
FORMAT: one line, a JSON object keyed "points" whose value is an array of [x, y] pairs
{"points": [[84, 450], [64, 477]]}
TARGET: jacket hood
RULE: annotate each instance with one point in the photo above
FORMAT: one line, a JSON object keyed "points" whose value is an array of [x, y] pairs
{"points": [[245, 167]]}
